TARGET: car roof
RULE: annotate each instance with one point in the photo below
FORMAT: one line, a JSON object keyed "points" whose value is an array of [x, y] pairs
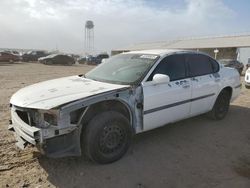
{"points": [[160, 52]]}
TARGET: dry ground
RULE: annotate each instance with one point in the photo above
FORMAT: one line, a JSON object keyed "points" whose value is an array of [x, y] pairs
{"points": [[197, 152]]}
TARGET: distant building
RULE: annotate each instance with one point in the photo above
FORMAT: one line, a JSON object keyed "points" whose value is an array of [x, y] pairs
{"points": [[222, 47]]}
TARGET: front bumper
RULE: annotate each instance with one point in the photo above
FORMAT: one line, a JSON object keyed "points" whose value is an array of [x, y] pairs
{"points": [[65, 142], [23, 132]]}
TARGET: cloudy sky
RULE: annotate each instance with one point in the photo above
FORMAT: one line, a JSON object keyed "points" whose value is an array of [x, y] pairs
{"points": [[51, 24]]}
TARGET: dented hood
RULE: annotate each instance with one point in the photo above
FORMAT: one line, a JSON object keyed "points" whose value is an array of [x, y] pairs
{"points": [[52, 93]]}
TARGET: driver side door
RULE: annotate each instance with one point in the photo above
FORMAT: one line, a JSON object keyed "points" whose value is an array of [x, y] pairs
{"points": [[167, 102]]}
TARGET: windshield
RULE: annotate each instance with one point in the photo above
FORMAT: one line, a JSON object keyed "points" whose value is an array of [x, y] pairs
{"points": [[123, 68]]}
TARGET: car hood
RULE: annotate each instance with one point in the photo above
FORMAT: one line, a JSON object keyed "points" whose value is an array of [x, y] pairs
{"points": [[53, 93]]}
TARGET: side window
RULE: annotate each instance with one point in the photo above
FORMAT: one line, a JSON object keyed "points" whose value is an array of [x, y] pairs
{"points": [[199, 65], [173, 66]]}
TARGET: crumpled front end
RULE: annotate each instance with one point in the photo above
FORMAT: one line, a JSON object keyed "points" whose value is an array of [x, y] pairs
{"points": [[21, 124], [50, 131]]}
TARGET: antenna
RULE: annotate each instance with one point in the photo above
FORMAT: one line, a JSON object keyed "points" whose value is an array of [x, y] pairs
{"points": [[89, 37]]}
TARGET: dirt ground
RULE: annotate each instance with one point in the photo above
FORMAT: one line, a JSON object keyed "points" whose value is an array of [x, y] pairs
{"points": [[197, 152]]}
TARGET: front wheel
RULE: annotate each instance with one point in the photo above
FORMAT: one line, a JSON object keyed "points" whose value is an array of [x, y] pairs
{"points": [[221, 106], [107, 137]]}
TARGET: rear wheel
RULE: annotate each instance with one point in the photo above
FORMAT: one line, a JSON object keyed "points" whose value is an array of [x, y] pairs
{"points": [[221, 105], [107, 137]]}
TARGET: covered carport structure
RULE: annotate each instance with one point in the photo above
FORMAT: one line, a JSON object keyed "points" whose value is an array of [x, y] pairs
{"points": [[220, 47]]}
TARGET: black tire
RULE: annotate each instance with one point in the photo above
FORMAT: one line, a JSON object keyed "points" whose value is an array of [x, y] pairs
{"points": [[221, 106], [248, 87], [240, 71], [107, 137]]}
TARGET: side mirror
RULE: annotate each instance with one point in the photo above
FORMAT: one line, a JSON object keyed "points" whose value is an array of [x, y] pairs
{"points": [[161, 79]]}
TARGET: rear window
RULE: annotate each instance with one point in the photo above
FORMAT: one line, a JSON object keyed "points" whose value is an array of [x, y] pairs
{"points": [[201, 65]]}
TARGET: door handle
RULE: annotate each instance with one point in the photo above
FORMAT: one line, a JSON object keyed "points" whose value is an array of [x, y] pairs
{"points": [[217, 80], [186, 86], [183, 82], [194, 79]]}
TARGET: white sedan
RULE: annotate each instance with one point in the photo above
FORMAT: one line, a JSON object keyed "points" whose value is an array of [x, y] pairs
{"points": [[97, 113]]}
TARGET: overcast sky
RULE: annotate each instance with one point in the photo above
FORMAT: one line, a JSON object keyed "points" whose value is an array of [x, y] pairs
{"points": [[51, 24]]}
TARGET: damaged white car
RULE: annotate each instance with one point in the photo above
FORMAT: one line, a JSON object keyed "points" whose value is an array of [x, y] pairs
{"points": [[97, 113]]}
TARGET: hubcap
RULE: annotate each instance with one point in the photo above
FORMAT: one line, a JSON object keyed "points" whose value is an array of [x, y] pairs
{"points": [[112, 139]]}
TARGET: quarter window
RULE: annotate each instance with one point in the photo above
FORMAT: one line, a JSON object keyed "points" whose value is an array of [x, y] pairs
{"points": [[215, 65], [173, 66]]}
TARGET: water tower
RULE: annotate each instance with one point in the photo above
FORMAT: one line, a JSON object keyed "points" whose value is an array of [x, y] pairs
{"points": [[89, 37]]}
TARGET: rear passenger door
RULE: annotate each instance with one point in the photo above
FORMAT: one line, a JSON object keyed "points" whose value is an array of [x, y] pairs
{"points": [[205, 82]]}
